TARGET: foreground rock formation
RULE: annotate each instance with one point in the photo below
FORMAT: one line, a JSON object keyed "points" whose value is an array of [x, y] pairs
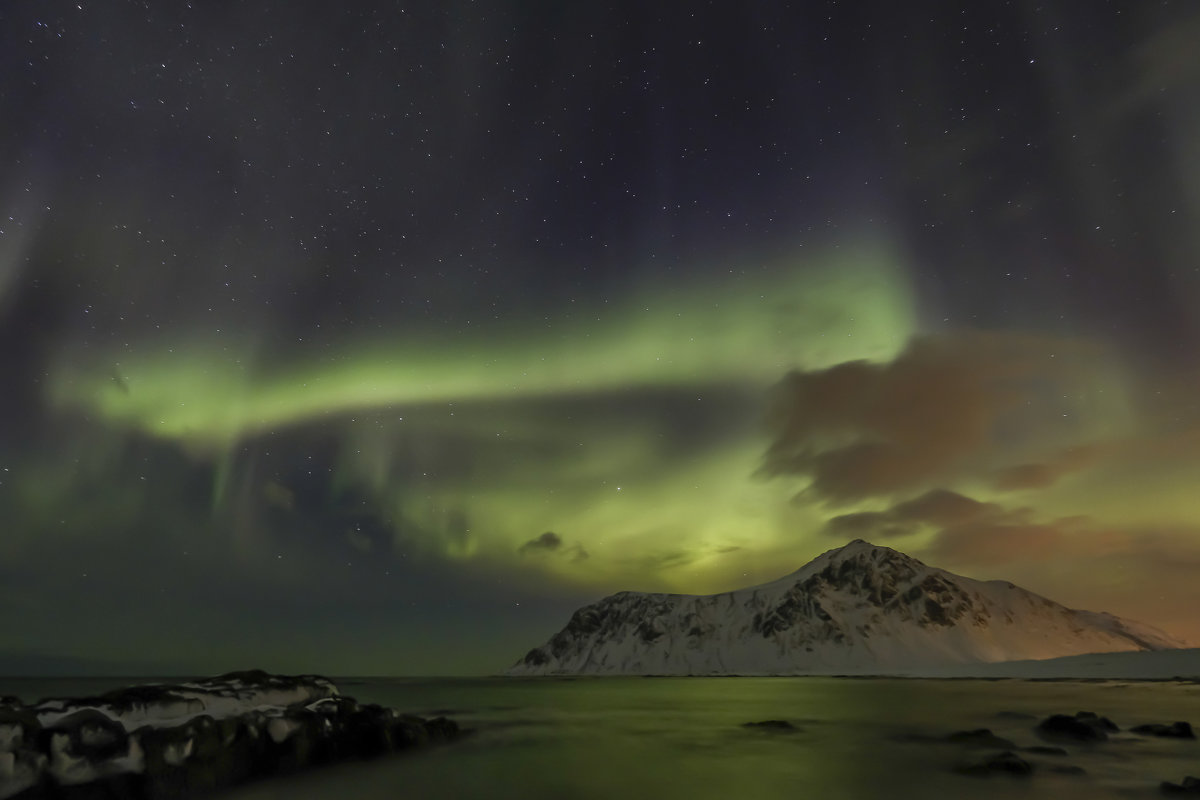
{"points": [[185, 740], [1082, 733], [856, 609], [1058, 747]]}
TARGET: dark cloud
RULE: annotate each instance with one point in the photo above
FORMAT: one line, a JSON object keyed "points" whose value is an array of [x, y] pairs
{"points": [[1000, 541], [1026, 476], [1179, 442], [944, 508], [936, 412], [551, 542], [1046, 473], [547, 541], [938, 509], [869, 525], [965, 530]]}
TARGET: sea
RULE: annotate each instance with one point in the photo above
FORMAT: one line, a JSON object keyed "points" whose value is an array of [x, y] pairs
{"points": [[664, 738]]}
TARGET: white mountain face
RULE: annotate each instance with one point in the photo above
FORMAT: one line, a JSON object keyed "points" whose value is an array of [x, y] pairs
{"points": [[857, 609]]}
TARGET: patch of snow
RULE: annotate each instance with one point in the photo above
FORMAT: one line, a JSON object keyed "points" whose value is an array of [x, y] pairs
{"points": [[176, 753], [17, 775], [216, 698], [12, 734], [66, 768], [280, 728]]}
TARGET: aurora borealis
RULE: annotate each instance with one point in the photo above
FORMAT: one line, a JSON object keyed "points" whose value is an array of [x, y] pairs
{"points": [[374, 339]]}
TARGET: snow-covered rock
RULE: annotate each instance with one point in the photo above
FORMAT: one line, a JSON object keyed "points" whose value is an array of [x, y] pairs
{"points": [[159, 741], [858, 609], [156, 705]]}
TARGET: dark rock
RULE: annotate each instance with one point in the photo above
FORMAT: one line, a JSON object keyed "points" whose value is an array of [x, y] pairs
{"points": [[1010, 763], [1190, 785], [335, 706], [980, 737], [648, 631], [441, 729], [194, 758], [1176, 730], [774, 725], [585, 621], [251, 677], [1060, 727], [1104, 723], [934, 613], [536, 657], [1006, 763], [410, 731], [369, 732]]}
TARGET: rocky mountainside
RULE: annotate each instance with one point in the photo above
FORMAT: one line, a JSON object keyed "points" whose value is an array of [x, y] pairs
{"points": [[857, 609]]}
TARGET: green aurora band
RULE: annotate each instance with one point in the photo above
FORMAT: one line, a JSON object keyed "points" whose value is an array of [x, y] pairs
{"points": [[547, 417], [841, 307]]}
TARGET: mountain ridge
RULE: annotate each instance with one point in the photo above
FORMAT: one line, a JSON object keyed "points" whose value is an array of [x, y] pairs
{"points": [[859, 608]]}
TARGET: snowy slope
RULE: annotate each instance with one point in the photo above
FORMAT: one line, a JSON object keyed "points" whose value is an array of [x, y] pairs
{"points": [[1144, 665], [856, 609]]}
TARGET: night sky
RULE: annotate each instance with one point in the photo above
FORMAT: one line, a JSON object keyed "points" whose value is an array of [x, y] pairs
{"points": [[373, 338]]}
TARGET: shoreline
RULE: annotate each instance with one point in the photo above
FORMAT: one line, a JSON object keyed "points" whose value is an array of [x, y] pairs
{"points": [[1145, 665]]}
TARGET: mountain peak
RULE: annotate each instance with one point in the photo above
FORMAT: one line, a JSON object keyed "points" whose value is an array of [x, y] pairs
{"points": [[865, 553], [857, 546], [857, 608]]}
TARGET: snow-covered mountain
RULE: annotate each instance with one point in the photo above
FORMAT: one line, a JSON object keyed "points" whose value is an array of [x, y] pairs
{"points": [[857, 609]]}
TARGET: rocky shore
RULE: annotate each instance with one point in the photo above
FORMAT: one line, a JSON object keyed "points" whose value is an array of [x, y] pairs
{"points": [[1060, 741], [186, 740], [1064, 738]]}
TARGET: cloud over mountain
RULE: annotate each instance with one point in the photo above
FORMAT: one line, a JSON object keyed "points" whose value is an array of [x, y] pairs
{"points": [[944, 407]]}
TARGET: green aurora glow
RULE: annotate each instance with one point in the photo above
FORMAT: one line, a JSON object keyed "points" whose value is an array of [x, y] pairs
{"points": [[602, 474], [817, 312]]}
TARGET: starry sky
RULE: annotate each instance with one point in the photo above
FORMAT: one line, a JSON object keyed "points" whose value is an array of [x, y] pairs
{"points": [[374, 338]]}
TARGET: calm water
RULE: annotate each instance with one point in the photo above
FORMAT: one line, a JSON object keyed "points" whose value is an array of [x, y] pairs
{"points": [[682, 738]]}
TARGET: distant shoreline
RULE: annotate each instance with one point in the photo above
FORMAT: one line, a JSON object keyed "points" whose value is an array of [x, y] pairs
{"points": [[1143, 665]]}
